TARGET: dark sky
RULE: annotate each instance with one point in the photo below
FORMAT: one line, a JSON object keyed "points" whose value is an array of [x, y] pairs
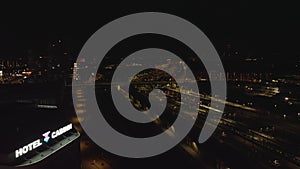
{"points": [[260, 28]]}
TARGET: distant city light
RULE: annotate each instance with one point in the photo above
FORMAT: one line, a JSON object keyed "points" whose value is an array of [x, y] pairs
{"points": [[47, 106], [81, 60], [26, 73]]}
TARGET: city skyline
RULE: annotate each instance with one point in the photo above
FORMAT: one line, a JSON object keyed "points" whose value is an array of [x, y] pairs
{"points": [[231, 103]]}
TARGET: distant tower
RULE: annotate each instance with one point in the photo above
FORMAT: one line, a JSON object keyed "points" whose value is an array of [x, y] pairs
{"points": [[75, 72], [31, 61], [229, 52], [1, 75]]}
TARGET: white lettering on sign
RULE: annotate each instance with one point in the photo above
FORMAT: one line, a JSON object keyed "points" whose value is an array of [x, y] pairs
{"points": [[31, 146], [28, 148], [61, 131]]}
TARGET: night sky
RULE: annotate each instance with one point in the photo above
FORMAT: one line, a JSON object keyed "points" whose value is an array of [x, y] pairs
{"points": [[269, 29]]}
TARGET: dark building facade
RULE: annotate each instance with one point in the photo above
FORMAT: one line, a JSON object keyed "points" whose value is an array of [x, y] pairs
{"points": [[36, 134]]}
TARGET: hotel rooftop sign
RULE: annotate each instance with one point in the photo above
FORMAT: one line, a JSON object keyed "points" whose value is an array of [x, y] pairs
{"points": [[39, 142]]}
